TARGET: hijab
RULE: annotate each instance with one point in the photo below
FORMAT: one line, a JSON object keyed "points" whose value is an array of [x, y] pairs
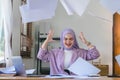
{"points": [[62, 36]]}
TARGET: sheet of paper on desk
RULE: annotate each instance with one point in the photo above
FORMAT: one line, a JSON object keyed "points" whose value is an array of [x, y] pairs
{"points": [[59, 76], [69, 76], [83, 68], [30, 71], [118, 59], [8, 70]]}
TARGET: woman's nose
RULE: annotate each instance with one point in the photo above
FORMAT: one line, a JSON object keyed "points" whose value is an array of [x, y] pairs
{"points": [[68, 41]]}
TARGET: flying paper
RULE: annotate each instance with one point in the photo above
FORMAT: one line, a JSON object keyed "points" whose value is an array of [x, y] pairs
{"points": [[77, 6]]}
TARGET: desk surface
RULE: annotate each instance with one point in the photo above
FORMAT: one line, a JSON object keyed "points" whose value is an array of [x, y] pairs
{"points": [[40, 78]]}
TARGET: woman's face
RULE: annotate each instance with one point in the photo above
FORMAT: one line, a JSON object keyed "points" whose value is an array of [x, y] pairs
{"points": [[68, 41]]}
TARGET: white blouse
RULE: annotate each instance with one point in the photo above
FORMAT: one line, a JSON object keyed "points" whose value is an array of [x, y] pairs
{"points": [[67, 58]]}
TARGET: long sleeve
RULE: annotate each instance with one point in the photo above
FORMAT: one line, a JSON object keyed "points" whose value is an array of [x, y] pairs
{"points": [[43, 54], [90, 54]]}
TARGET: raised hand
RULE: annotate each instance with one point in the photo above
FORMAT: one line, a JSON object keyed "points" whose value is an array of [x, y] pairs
{"points": [[50, 36], [81, 36], [48, 39]]}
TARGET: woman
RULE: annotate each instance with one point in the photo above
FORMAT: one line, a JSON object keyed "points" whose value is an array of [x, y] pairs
{"points": [[61, 58]]}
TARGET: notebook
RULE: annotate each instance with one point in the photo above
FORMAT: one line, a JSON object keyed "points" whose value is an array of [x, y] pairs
{"points": [[19, 67]]}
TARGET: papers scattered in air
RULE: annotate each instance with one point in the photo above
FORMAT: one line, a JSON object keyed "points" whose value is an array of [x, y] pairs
{"points": [[83, 68]]}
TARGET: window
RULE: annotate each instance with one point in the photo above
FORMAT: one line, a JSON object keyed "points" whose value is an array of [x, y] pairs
{"points": [[2, 45], [6, 22]]}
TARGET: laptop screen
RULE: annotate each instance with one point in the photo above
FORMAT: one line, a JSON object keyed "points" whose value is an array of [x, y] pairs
{"points": [[19, 67]]}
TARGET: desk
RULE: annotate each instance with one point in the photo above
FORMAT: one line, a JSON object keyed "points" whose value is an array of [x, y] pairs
{"points": [[40, 78]]}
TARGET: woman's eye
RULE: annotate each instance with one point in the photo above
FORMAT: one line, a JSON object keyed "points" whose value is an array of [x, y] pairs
{"points": [[65, 39], [71, 39]]}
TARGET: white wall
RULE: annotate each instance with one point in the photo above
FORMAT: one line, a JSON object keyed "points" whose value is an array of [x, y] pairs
{"points": [[97, 28]]}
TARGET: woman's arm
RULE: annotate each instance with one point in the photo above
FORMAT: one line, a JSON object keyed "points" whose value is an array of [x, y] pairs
{"points": [[89, 45], [42, 51], [48, 39], [92, 52]]}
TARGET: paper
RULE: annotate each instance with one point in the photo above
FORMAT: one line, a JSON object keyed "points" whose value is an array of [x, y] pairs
{"points": [[32, 15], [83, 68], [118, 59], [112, 5], [77, 6], [68, 76], [67, 7], [42, 4], [30, 71], [8, 70], [36, 10], [58, 76]]}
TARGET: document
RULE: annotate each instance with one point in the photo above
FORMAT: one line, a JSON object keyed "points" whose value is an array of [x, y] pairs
{"points": [[36, 10], [76, 6], [50, 5], [8, 70], [32, 15], [30, 71], [59, 76], [11, 70], [69, 76], [67, 7], [83, 68]]}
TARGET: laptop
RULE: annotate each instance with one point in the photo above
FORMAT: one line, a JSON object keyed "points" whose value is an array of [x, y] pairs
{"points": [[19, 67]]}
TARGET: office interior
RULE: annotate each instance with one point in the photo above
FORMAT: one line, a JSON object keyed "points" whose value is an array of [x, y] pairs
{"points": [[96, 23]]}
